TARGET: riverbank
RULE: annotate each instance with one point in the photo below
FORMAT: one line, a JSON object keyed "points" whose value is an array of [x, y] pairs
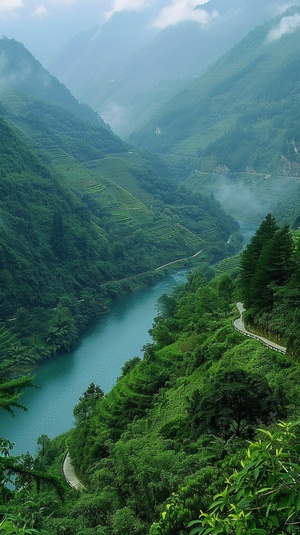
{"points": [[108, 342]]}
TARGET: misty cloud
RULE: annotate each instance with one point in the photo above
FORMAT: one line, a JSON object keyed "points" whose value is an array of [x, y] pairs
{"points": [[40, 12], [127, 5], [183, 10], [278, 9], [286, 25], [115, 115], [10, 8], [13, 78]]}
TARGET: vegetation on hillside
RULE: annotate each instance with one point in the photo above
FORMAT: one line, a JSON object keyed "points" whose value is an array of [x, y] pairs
{"points": [[168, 442], [269, 283], [75, 234], [166, 451], [248, 94], [234, 131]]}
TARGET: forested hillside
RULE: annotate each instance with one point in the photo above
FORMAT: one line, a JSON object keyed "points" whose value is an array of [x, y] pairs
{"points": [[235, 129], [269, 283], [84, 219], [170, 441]]}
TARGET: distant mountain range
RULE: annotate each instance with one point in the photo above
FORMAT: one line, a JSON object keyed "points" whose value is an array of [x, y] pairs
{"points": [[128, 68], [235, 130]]}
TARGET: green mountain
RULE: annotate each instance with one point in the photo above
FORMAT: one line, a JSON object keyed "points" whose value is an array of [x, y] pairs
{"points": [[83, 214], [235, 130], [188, 440], [21, 72]]}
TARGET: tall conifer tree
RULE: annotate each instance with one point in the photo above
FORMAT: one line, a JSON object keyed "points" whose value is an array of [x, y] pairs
{"points": [[273, 269], [251, 255]]}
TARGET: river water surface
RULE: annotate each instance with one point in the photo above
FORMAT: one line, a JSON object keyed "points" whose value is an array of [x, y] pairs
{"points": [[106, 346]]}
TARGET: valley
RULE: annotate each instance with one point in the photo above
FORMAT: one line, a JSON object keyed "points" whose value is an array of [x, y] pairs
{"points": [[105, 347], [122, 262]]}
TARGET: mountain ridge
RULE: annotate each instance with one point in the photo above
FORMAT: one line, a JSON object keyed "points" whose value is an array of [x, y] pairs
{"points": [[162, 62], [237, 120]]}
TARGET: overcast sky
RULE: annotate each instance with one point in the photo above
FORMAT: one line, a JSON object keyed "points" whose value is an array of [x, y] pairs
{"points": [[45, 25]]}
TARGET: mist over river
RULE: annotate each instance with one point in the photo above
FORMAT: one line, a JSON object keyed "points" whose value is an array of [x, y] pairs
{"points": [[106, 346]]}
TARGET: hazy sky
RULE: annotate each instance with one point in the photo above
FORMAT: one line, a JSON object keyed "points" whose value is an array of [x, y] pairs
{"points": [[44, 26]]}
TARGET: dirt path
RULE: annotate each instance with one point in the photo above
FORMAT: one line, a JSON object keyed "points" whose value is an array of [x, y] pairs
{"points": [[179, 260], [240, 327], [69, 473]]}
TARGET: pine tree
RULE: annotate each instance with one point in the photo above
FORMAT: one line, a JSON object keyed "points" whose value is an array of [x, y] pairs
{"points": [[250, 258], [273, 269]]}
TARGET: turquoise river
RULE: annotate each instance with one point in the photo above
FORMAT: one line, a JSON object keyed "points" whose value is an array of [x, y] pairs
{"points": [[106, 346]]}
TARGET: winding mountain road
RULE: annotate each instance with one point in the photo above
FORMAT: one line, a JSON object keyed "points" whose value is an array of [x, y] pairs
{"points": [[67, 467], [70, 475], [240, 327], [179, 260]]}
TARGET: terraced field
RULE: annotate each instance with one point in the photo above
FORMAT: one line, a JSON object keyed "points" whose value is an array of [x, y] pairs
{"points": [[110, 182], [129, 195], [118, 169], [228, 265]]}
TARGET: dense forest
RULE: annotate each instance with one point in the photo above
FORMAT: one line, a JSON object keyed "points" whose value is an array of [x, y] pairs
{"points": [[270, 282], [170, 441]]}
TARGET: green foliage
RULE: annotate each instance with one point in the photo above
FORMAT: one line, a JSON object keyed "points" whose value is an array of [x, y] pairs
{"points": [[8, 526], [250, 258], [87, 401], [233, 402], [269, 282], [156, 449], [158, 445], [262, 497], [10, 392]]}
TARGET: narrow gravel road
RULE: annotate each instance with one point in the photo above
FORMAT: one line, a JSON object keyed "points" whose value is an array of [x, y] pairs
{"points": [[239, 326]]}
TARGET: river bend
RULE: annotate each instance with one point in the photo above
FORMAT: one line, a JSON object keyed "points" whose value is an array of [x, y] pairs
{"points": [[106, 346]]}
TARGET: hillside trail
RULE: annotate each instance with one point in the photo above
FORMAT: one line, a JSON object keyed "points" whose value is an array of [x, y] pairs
{"points": [[70, 475], [240, 327], [179, 260], [67, 467]]}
